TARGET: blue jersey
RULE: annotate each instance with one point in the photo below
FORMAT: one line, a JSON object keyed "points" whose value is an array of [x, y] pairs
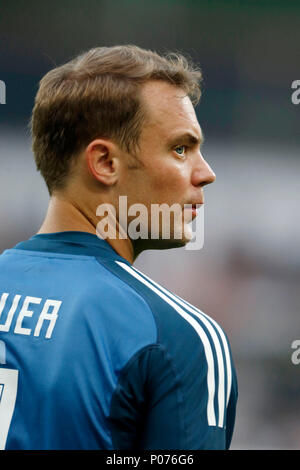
{"points": [[96, 355]]}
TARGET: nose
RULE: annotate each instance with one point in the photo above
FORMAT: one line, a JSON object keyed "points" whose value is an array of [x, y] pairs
{"points": [[202, 173]]}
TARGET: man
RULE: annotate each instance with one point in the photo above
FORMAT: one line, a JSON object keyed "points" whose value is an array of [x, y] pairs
{"points": [[95, 355]]}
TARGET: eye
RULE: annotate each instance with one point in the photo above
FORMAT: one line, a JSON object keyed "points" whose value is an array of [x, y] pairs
{"points": [[181, 150]]}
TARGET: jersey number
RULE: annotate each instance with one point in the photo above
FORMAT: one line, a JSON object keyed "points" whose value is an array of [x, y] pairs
{"points": [[8, 395]]}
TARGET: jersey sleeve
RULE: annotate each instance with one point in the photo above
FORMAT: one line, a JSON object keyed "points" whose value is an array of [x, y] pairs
{"points": [[176, 393], [152, 410], [231, 409]]}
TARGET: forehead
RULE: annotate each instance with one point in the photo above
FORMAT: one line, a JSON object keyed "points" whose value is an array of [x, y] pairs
{"points": [[169, 110]]}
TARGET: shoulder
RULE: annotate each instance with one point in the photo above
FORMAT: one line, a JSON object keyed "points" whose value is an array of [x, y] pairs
{"points": [[121, 309], [168, 316], [175, 318], [189, 368]]}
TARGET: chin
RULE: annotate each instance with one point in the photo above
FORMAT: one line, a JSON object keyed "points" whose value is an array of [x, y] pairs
{"points": [[171, 243], [162, 244], [175, 240]]}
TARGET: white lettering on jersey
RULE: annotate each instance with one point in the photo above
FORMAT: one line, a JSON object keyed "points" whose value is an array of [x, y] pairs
{"points": [[25, 313], [50, 316], [11, 312], [48, 313]]}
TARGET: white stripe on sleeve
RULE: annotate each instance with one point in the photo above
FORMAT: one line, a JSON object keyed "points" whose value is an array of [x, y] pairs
{"points": [[211, 417]]}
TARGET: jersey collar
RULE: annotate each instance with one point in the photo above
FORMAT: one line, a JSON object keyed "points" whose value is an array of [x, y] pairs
{"points": [[70, 242]]}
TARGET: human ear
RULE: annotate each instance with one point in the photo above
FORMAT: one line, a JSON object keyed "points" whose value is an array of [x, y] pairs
{"points": [[102, 162]]}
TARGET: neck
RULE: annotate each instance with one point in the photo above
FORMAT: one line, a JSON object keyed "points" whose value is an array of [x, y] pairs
{"points": [[64, 216]]}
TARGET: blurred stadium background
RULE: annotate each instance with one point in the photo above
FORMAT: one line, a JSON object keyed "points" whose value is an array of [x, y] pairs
{"points": [[248, 273]]}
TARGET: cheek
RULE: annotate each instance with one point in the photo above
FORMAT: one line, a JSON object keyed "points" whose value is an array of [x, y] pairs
{"points": [[176, 175], [171, 184]]}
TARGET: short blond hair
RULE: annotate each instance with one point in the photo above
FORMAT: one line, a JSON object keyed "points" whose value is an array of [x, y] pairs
{"points": [[97, 95]]}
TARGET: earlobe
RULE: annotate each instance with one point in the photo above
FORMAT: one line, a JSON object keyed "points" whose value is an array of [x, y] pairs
{"points": [[101, 161]]}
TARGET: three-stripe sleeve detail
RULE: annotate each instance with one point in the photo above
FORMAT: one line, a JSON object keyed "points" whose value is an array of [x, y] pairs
{"points": [[185, 309], [224, 343]]}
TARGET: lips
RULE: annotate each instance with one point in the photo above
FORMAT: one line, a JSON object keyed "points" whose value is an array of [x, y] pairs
{"points": [[192, 209]]}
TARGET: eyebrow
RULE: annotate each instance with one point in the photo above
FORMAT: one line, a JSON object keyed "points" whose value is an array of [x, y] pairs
{"points": [[189, 138]]}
